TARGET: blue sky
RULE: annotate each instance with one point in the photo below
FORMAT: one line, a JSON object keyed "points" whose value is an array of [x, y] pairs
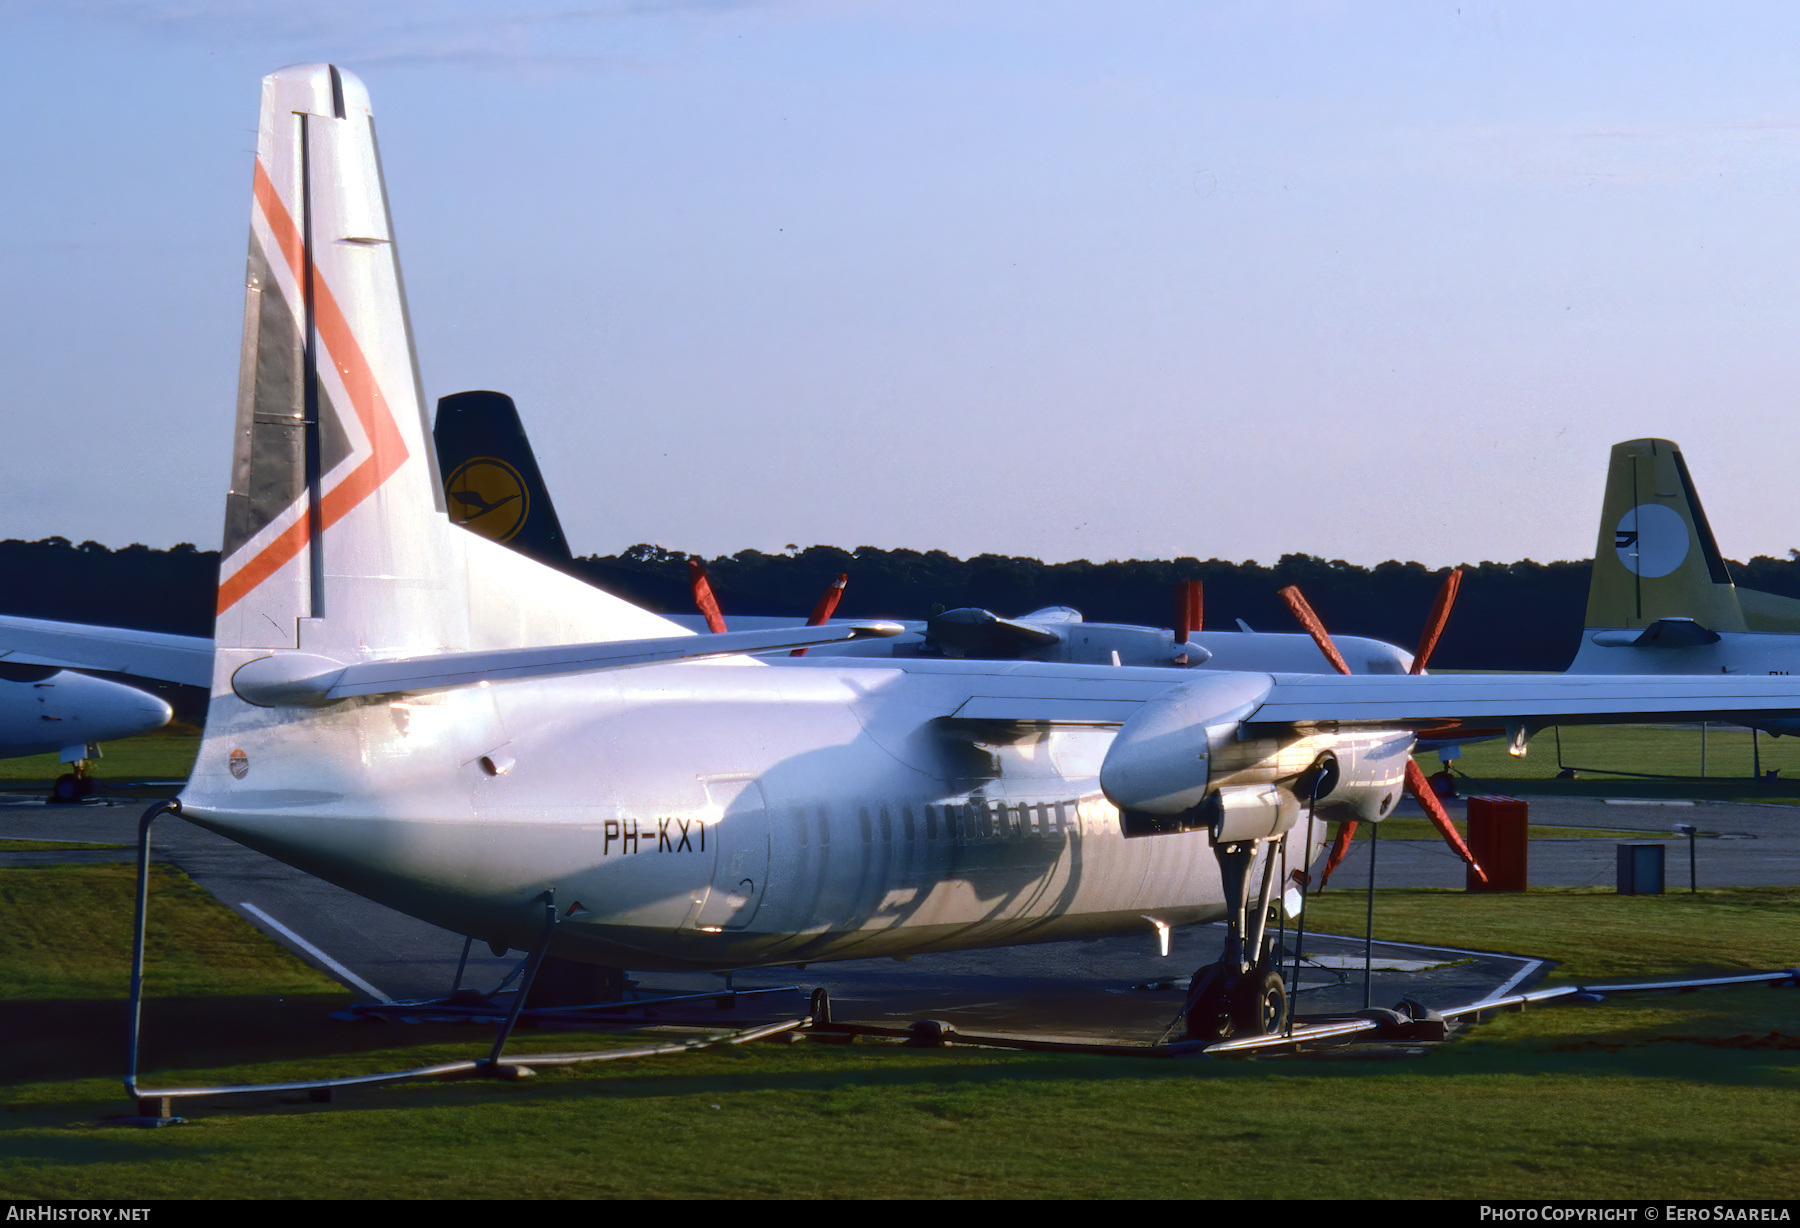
{"points": [[1072, 280]]}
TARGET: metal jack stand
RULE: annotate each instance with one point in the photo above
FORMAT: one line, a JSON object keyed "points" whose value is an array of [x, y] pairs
{"points": [[154, 1104], [493, 1064], [152, 1110]]}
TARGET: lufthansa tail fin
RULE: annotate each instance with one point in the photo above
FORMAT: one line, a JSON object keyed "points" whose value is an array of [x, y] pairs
{"points": [[492, 483], [1656, 557]]}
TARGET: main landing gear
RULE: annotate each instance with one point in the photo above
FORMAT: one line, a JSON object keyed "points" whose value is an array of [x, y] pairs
{"points": [[72, 786], [1242, 994]]}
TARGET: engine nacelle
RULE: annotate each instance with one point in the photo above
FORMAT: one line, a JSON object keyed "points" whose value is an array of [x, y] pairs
{"points": [[1161, 760], [1184, 763]]}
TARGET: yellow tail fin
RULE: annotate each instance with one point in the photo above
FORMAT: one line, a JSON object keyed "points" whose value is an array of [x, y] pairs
{"points": [[1656, 556]]}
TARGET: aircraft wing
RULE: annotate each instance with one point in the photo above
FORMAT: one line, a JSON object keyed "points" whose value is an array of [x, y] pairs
{"points": [[1417, 702], [142, 654], [306, 680]]}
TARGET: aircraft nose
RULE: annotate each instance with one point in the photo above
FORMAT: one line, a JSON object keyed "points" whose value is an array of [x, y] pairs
{"points": [[111, 710], [154, 710]]}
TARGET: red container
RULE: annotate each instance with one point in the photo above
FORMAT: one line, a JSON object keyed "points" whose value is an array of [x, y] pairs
{"points": [[1498, 828]]}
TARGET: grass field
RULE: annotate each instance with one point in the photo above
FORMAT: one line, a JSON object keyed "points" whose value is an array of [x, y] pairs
{"points": [[1605, 754], [167, 754], [1672, 1097]]}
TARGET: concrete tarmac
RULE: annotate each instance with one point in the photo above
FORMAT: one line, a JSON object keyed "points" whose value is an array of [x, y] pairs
{"points": [[1118, 987]]}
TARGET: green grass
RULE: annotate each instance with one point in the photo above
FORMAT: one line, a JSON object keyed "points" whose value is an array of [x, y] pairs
{"points": [[10, 844], [67, 935], [1656, 749], [167, 754], [1591, 932], [1623, 1100]]}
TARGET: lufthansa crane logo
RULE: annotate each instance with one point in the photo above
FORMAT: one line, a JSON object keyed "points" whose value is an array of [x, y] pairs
{"points": [[1652, 540], [487, 496]]}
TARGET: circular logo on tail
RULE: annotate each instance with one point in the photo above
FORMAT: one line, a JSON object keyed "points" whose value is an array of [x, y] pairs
{"points": [[1651, 539], [239, 763], [487, 496]]}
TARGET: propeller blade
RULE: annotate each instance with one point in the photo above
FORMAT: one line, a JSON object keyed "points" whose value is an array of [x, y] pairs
{"points": [[1419, 787], [703, 596], [1340, 845], [1303, 612], [1440, 614], [1187, 610], [1187, 623], [828, 602]]}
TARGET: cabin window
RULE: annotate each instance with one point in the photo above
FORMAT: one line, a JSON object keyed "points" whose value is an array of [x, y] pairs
{"points": [[951, 826], [800, 826], [931, 823], [824, 828], [868, 828], [887, 826]]}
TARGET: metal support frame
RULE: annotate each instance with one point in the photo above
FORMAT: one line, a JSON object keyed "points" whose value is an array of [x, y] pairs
{"points": [[1304, 878], [531, 970], [462, 965], [154, 1104], [1369, 924]]}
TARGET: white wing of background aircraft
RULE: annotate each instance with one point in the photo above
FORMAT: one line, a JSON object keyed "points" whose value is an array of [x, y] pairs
{"points": [[464, 734]]}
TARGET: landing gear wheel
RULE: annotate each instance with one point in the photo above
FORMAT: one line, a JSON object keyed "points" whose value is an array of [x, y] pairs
{"points": [[1260, 1008], [1208, 1011], [66, 789]]}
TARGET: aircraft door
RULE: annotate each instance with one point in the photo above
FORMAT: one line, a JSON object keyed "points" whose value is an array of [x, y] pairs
{"points": [[739, 832]]}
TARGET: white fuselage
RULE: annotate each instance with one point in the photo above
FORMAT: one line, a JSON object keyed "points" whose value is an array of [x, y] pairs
{"points": [[1736, 652], [721, 815]]}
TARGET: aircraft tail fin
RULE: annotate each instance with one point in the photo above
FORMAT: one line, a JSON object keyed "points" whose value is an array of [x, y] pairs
{"points": [[337, 542], [1656, 557], [492, 484]]}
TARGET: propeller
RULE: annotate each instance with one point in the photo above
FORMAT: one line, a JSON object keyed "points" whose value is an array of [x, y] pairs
{"points": [[1188, 607], [1416, 783], [703, 596], [827, 603]]}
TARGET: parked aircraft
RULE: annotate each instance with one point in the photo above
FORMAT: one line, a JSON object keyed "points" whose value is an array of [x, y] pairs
{"points": [[495, 488], [446, 726], [44, 710]]}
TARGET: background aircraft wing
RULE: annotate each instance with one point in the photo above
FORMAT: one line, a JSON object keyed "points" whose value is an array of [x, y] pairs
{"points": [[1418, 702], [142, 654]]}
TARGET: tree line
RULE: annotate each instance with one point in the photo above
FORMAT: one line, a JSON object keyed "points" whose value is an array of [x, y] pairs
{"points": [[1524, 615]]}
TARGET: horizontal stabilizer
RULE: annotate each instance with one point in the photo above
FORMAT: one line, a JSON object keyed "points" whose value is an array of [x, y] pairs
{"points": [[300, 679], [981, 633], [118, 650], [1663, 633]]}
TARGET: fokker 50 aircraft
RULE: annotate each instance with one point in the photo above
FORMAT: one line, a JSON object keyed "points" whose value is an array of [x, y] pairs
{"points": [[457, 731]]}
